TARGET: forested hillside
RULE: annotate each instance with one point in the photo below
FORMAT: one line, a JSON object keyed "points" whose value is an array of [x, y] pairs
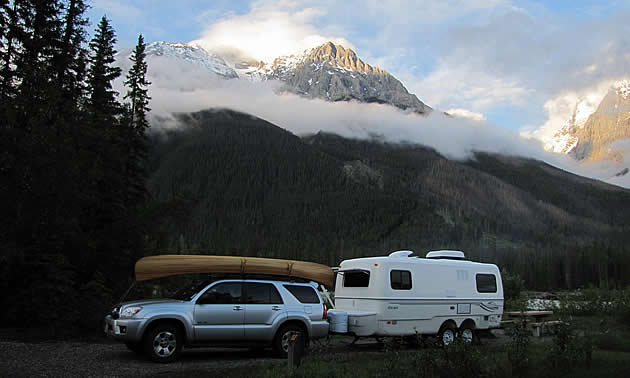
{"points": [[229, 183]]}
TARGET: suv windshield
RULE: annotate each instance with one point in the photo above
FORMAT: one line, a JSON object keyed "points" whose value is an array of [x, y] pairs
{"points": [[186, 293]]}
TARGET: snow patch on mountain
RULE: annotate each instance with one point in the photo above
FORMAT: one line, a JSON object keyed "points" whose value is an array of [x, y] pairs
{"points": [[192, 54], [623, 88]]}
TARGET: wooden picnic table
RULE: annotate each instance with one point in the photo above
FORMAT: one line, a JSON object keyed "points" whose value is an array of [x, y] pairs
{"points": [[537, 315], [539, 319]]}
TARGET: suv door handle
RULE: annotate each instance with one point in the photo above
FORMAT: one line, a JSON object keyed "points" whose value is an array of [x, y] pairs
{"points": [[275, 308], [237, 308]]}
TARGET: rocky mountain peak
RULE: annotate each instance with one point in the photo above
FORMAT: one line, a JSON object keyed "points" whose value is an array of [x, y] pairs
{"points": [[191, 54], [341, 57], [595, 126]]}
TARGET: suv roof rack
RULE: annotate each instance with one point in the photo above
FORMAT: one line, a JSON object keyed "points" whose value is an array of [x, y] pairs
{"points": [[246, 276]]}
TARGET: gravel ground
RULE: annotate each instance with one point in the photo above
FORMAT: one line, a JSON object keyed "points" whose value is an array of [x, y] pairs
{"points": [[102, 358], [110, 359]]}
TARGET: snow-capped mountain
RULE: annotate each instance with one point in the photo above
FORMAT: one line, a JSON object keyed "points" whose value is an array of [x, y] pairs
{"points": [[594, 127], [330, 72], [334, 73], [191, 54]]}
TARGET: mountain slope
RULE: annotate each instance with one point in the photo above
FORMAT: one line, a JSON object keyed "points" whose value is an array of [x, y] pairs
{"points": [[192, 55], [330, 72], [230, 183], [334, 73], [591, 132]]}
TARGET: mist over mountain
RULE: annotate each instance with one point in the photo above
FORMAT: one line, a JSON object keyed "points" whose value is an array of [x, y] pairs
{"points": [[329, 88], [330, 72], [233, 183]]}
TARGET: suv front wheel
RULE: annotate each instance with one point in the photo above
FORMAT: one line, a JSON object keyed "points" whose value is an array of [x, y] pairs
{"points": [[163, 343], [281, 341]]}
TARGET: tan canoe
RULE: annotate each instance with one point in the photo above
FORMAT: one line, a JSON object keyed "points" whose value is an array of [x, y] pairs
{"points": [[168, 265]]}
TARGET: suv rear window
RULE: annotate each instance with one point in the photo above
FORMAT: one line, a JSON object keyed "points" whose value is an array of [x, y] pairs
{"points": [[304, 294]]}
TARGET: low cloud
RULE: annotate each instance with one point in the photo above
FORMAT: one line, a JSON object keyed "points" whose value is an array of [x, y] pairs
{"points": [[185, 87], [465, 113], [266, 33]]}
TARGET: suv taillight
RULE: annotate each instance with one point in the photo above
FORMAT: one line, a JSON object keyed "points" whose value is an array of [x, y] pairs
{"points": [[325, 312]]}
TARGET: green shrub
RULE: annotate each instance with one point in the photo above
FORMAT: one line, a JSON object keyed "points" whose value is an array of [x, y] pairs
{"points": [[513, 285], [518, 349], [569, 348]]}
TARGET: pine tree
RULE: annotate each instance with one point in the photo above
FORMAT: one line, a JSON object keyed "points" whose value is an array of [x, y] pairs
{"points": [[102, 73], [136, 121], [72, 63], [4, 21], [11, 32], [138, 88]]}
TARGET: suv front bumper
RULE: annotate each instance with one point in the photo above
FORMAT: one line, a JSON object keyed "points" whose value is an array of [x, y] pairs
{"points": [[123, 329]]}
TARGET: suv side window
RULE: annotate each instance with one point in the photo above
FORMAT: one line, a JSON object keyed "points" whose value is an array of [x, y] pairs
{"points": [[261, 293], [223, 293], [304, 294]]}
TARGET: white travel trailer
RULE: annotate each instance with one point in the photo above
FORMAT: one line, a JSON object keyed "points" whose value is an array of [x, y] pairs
{"points": [[399, 295]]}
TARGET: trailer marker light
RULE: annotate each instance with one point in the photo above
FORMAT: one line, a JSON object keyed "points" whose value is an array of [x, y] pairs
{"points": [[375, 264]]}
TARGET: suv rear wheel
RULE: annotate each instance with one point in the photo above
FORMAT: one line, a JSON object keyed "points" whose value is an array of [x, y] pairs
{"points": [[163, 343], [281, 341]]}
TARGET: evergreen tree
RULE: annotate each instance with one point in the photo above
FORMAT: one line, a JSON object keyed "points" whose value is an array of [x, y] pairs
{"points": [[72, 63], [136, 121], [4, 21], [138, 88], [102, 73], [11, 31]]}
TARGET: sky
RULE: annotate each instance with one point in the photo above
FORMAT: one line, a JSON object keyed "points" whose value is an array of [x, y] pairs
{"points": [[508, 62], [511, 68]]}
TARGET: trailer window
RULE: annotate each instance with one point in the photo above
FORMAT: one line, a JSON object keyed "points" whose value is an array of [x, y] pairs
{"points": [[400, 279], [356, 278], [486, 283]]}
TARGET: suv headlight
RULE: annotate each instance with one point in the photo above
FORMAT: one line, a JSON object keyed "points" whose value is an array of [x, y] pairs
{"points": [[130, 312]]}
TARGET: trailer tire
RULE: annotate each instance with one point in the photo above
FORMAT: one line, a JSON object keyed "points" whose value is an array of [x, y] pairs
{"points": [[447, 335], [468, 335]]}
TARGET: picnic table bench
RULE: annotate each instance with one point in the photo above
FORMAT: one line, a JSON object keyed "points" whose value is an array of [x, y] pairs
{"points": [[539, 324]]}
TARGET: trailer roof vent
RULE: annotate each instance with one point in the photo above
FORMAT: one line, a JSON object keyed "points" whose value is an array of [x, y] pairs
{"points": [[448, 255], [401, 254]]}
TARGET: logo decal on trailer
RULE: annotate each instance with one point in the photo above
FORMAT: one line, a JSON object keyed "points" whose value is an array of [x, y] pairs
{"points": [[490, 306]]}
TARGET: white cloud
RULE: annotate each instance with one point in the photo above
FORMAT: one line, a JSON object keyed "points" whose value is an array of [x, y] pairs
{"points": [[184, 87], [267, 32], [465, 113], [456, 85]]}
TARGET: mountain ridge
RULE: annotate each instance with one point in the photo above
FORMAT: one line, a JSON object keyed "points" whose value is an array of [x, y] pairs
{"points": [[328, 71]]}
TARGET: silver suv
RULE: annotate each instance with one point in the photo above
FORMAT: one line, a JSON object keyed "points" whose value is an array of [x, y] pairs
{"points": [[230, 312]]}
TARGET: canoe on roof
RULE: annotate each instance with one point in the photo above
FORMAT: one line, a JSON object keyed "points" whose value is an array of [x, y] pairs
{"points": [[168, 265]]}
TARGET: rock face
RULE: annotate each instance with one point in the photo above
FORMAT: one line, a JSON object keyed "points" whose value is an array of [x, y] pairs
{"points": [[334, 73], [610, 123], [330, 72], [591, 135], [194, 55]]}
